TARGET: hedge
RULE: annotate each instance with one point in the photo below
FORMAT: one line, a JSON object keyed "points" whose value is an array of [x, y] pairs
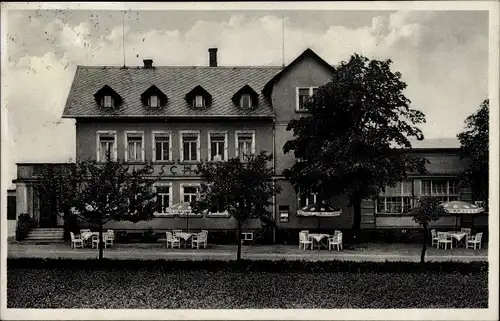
{"points": [[282, 266]]}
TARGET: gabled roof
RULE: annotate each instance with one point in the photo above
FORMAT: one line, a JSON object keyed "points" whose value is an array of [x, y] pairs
{"points": [[107, 90], [153, 90], [221, 82], [308, 53], [246, 90]]}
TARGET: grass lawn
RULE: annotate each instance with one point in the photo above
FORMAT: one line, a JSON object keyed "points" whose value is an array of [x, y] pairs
{"points": [[154, 288]]}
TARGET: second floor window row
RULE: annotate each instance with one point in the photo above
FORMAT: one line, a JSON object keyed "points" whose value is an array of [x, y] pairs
{"points": [[189, 146]]}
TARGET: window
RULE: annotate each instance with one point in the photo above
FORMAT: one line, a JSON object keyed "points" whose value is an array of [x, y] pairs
{"points": [[199, 101], [396, 200], [134, 148], [245, 143], [153, 101], [446, 190], [163, 198], [190, 146], [217, 146], [305, 198], [246, 101], [106, 145], [284, 213], [303, 95], [162, 149], [189, 193], [107, 101], [11, 207]]}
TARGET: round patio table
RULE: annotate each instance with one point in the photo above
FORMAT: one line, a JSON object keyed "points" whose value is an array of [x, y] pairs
{"points": [[318, 237], [457, 235], [185, 236], [86, 236]]}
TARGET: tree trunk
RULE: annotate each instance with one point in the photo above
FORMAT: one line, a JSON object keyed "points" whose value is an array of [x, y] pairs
{"points": [[101, 249], [67, 226], [238, 239], [424, 247], [356, 224]]}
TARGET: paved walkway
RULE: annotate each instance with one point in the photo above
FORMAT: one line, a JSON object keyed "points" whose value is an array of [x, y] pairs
{"points": [[362, 252]]}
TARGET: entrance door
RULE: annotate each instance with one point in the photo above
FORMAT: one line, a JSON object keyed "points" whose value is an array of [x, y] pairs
{"points": [[48, 213]]}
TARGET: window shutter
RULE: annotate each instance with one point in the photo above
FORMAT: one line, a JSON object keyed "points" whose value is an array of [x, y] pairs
{"points": [[209, 147], [198, 147], [154, 147], [226, 143], [170, 142], [126, 148], [182, 148], [115, 144], [99, 148], [143, 156]]}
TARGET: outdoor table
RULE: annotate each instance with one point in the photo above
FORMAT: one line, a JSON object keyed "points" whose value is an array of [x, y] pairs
{"points": [[185, 236], [457, 235], [86, 236], [318, 238]]}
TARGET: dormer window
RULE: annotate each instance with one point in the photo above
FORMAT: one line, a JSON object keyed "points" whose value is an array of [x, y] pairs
{"points": [[246, 101], [153, 101], [106, 97], [153, 97], [198, 97], [198, 101], [107, 101], [246, 97]]}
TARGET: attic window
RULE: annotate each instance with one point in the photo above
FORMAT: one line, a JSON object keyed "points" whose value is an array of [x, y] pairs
{"points": [[246, 101], [153, 97], [106, 97], [153, 101], [198, 101], [246, 97], [107, 101]]}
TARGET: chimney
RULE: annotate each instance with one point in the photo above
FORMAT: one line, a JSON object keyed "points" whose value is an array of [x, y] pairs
{"points": [[148, 63], [212, 52]]}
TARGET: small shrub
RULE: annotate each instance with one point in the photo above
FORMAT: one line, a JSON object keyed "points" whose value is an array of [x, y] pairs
{"points": [[24, 224]]}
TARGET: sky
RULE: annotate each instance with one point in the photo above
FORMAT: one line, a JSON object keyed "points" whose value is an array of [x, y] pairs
{"points": [[442, 55]]}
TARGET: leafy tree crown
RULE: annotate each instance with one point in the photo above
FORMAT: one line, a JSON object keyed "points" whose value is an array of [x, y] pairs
{"points": [[355, 140]]}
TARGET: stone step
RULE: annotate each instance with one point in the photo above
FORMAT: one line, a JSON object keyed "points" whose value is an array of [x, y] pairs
{"points": [[26, 241], [44, 237], [49, 235]]}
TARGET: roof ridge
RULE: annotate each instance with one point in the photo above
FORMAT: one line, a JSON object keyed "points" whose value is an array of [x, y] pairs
{"points": [[180, 67]]}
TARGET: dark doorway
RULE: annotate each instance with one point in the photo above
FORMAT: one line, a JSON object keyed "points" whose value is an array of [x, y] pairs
{"points": [[48, 212]]}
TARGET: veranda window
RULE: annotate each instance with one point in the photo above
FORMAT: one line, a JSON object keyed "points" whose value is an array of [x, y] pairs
{"points": [[396, 200]]}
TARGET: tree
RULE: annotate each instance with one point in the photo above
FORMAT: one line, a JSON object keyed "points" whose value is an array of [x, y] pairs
{"points": [[243, 188], [355, 140], [99, 193], [428, 209], [474, 141]]}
